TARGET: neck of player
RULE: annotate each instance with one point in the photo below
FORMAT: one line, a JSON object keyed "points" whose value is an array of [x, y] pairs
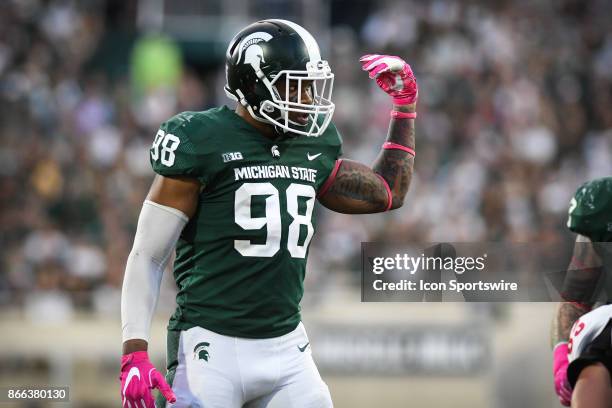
{"points": [[263, 128]]}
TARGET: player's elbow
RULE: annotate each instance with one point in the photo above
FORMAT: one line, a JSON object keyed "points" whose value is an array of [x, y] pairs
{"points": [[398, 195], [397, 202]]}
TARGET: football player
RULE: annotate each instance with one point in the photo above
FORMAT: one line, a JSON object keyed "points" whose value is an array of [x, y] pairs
{"points": [[582, 336], [234, 194]]}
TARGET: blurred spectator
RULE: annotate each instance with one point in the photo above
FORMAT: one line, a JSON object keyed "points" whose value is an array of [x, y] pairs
{"points": [[514, 113]]}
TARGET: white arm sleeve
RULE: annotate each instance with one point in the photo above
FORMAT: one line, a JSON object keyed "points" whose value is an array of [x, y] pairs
{"points": [[159, 227]]}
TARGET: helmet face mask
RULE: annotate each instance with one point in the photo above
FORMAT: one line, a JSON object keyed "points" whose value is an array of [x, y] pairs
{"points": [[275, 71], [288, 100]]}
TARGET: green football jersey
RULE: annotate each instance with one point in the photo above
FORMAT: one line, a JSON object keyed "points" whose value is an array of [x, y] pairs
{"points": [[590, 212], [240, 261]]}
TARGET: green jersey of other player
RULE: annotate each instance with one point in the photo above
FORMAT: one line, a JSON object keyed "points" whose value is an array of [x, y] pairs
{"points": [[240, 261], [590, 215], [590, 212]]}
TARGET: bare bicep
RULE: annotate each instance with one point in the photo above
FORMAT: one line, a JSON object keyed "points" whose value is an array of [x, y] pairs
{"points": [[176, 192]]}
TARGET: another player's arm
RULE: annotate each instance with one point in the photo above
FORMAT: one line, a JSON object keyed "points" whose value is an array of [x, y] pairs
{"points": [[149, 256], [592, 389], [358, 188], [579, 287]]}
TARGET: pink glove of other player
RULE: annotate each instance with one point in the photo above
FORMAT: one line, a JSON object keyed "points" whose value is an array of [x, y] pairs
{"points": [[393, 76], [560, 364], [138, 378]]}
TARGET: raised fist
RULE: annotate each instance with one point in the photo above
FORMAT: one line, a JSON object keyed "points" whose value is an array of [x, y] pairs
{"points": [[393, 75]]}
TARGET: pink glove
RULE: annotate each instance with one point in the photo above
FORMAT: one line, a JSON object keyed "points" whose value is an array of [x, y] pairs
{"points": [[138, 378], [560, 363], [393, 76]]}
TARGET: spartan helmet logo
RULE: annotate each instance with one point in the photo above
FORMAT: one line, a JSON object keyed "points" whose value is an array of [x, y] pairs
{"points": [[200, 352], [253, 54], [275, 152]]}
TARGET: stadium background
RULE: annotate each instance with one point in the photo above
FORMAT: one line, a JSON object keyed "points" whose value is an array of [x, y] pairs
{"points": [[514, 113]]}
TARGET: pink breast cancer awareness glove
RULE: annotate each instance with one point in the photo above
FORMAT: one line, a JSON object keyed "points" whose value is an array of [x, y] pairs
{"points": [[560, 364], [393, 75], [138, 378]]}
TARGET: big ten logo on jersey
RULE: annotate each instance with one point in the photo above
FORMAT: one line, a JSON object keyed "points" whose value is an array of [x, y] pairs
{"points": [[231, 156]]}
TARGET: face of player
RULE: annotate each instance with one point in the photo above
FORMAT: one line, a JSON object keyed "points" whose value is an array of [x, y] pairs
{"points": [[297, 94]]}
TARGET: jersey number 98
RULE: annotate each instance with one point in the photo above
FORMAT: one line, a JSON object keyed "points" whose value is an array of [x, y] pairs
{"points": [[272, 220], [168, 143]]}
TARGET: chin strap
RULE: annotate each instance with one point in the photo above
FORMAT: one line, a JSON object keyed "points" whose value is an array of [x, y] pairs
{"points": [[242, 99]]}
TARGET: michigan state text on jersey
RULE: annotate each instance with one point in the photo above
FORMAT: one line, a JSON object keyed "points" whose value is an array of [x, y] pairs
{"points": [[234, 194]]}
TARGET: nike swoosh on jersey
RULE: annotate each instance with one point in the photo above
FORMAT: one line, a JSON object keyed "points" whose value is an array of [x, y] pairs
{"points": [[134, 372], [303, 347], [314, 156]]}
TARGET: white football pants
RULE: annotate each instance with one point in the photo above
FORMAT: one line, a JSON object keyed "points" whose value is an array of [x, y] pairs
{"points": [[216, 371]]}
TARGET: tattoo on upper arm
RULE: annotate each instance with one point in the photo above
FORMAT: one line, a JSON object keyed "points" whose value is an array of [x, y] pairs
{"points": [[356, 181]]}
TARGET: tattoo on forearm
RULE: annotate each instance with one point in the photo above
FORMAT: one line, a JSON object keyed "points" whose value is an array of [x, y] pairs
{"points": [[362, 186], [567, 314], [579, 289], [396, 166]]}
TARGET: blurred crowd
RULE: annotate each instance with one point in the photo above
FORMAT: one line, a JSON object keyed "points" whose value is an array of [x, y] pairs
{"points": [[515, 112]]}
